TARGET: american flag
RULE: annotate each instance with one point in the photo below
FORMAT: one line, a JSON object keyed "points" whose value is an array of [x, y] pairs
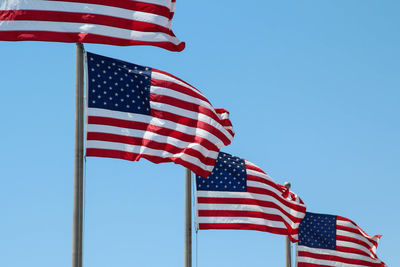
{"points": [[122, 22], [239, 195], [138, 112], [328, 240]]}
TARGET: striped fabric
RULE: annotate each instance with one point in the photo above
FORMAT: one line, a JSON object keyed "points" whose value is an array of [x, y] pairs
{"points": [[122, 22], [239, 195], [328, 240], [138, 112]]}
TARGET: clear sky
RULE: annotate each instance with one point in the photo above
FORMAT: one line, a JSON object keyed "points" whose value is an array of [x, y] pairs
{"points": [[313, 88]]}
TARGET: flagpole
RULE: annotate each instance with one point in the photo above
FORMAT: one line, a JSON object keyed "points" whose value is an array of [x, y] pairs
{"points": [[188, 218], [287, 241], [77, 224]]}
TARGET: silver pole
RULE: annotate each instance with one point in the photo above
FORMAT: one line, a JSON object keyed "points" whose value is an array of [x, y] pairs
{"points": [[77, 223], [287, 241], [188, 218]]}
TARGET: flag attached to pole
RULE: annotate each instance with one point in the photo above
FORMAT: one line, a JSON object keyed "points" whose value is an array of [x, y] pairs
{"points": [[140, 112], [239, 195], [122, 22], [328, 240]]}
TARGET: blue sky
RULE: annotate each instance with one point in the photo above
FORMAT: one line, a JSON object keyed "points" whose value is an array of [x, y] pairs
{"points": [[313, 90]]}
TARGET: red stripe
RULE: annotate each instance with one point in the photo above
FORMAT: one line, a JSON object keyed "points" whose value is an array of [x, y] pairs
{"points": [[263, 181], [178, 88], [336, 259], [96, 152], [168, 74], [128, 4], [262, 191], [354, 250], [184, 105], [356, 241], [358, 232], [81, 38], [242, 226], [191, 123], [304, 264], [135, 125], [246, 201], [84, 18], [139, 141], [283, 196], [254, 168], [240, 213]]}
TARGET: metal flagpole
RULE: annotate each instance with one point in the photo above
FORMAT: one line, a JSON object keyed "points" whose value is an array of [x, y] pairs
{"points": [[188, 218], [77, 224], [287, 241]]}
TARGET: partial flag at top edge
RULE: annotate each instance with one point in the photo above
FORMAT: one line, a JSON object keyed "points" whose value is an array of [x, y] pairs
{"points": [[122, 23], [238, 195], [139, 112]]}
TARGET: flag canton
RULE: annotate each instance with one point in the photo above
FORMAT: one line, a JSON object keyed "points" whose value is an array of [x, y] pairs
{"points": [[229, 174], [318, 231], [118, 85]]}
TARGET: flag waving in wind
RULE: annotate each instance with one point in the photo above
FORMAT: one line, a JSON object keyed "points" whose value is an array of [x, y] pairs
{"points": [[239, 195], [122, 22], [139, 112], [328, 240]]}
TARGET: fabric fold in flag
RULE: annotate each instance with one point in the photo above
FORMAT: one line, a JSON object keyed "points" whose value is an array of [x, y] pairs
{"points": [[239, 195], [328, 240], [122, 22], [139, 112]]}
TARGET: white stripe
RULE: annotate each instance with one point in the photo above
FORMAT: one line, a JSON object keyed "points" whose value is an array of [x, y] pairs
{"points": [[190, 114], [166, 3], [69, 27], [156, 122], [245, 195], [17, 3], [151, 136], [354, 226], [89, 9], [275, 191], [223, 115], [360, 236], [345, 255], [248, 220], [181, 96], [147, 151], [347, 244], [161, 76], [355, 236], [259, 174], [245, 207]]}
